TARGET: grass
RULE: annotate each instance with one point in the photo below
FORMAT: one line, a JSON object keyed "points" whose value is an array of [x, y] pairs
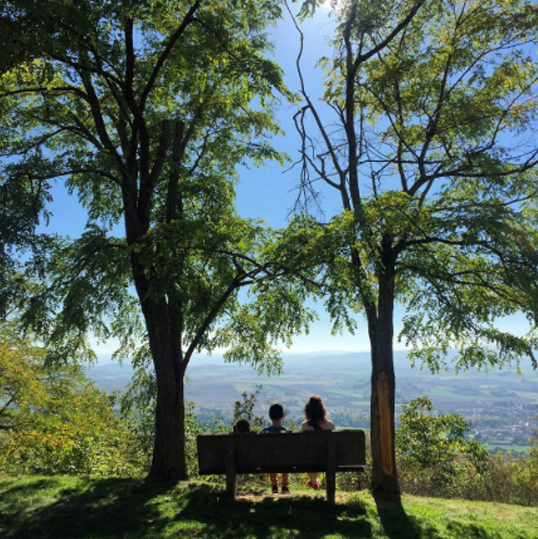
{"points": [[75, 507]]}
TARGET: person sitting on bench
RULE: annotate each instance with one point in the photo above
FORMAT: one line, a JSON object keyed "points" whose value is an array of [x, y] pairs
{"points": [[242, 426], [316, 418], [276, 414]]}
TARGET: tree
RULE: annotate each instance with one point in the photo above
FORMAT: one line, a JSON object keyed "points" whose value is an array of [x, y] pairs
{"points": [[426, 134], [143, 110], [244, 409]]}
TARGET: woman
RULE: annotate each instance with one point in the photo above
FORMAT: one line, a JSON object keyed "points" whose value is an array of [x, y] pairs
{"points": [[315, 419]]}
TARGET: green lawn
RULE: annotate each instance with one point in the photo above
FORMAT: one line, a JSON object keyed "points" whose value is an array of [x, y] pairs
{"points": [[70, 507]]}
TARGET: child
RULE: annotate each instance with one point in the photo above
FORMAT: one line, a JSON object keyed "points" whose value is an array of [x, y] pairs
{"points": [[242, 426], [276, 414]]}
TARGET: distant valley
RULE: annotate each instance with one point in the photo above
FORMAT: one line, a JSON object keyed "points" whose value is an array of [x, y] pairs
{"points": [[499, 404]]}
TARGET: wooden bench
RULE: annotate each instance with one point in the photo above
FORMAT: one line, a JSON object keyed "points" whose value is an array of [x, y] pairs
{"points": [[237, 453]]}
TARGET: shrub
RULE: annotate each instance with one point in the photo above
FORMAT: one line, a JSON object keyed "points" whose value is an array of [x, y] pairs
{"points": [[434, 451], [436, 458]]}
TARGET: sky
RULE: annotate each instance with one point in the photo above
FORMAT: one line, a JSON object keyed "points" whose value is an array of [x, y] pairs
{"points": [[269, 193]]}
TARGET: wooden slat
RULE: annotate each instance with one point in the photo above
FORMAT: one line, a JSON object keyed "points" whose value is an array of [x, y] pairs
{"points": [[285, 452]]}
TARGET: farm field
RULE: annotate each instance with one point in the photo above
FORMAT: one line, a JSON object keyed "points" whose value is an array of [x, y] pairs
{"points": [[499, 404]]}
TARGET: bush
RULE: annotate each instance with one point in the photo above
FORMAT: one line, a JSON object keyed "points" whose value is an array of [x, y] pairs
{"points": [[436, 458], [434, 451], [72, 430]]}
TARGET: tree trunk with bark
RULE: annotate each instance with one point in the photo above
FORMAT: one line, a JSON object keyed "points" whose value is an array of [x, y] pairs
{"points": [[382, 406], [169, 459], [164, 327], [384, 474]]}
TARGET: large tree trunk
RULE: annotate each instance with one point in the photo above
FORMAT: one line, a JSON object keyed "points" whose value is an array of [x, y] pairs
{"points": [[169, 462], [169, 459], [164, 327], [384, 474], [382, 406]]}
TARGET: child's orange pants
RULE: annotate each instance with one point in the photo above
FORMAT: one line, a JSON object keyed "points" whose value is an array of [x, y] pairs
{"points": [[285, 479]]}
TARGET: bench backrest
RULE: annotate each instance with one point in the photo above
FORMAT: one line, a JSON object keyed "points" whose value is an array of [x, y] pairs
{"points": [[281, 452]]}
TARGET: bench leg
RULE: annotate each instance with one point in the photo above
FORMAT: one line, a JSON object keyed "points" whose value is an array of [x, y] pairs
{"points": [[331, 472], [231, 477], [231, 483], [331, 486]]}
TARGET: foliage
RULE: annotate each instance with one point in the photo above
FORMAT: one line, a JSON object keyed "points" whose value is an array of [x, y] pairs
{"points": [[244, 409], [53, 420], [436, 447], [434, 453], [502, 479], [506, 479], [534, 442], [137, 409], [437, 458]]}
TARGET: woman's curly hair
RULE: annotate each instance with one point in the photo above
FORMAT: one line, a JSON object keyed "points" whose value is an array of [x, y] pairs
{"points": [[315, 411]]}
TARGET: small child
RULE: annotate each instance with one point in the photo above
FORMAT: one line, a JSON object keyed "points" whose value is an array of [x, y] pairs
{"points": [[242, 426], [276, 414]]}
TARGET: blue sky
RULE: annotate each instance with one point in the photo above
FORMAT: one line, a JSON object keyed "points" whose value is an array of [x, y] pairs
{"points": [[269, 193]]}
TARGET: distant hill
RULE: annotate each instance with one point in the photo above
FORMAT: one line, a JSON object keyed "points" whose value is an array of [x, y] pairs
{"points": [[110, 376]]}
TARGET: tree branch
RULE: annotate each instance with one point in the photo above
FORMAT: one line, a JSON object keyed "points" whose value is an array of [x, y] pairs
{"points": [[189, 17]]}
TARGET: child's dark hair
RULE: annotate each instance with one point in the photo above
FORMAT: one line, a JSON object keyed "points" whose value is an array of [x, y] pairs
{"points": [[242, 426], [276, 412], [315, 411]]}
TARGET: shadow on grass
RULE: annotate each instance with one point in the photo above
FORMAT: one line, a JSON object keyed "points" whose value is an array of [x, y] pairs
{"points": [[303, 517], [394, 519], [108, 508], [116, 508]]}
